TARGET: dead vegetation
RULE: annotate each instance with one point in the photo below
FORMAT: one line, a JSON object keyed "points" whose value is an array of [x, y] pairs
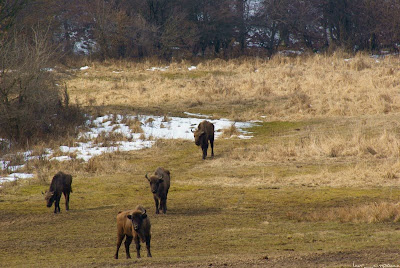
{"points": [[367, 213], [230, 131], [282, 88], [320, 177]]}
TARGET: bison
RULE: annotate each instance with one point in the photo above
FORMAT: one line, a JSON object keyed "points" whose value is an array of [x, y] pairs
{"points": [[159, 185], [203, 134], [134, 224], [61, 183]]}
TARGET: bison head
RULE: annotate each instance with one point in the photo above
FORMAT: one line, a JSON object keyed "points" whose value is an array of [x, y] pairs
{"points": [[49, 197], [198, 134], [154, 182], [137, 218]]}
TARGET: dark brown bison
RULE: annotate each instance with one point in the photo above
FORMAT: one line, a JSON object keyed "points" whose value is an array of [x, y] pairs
{"points": [[203, 134], [159, 185], [60, 184], [133, 224]]}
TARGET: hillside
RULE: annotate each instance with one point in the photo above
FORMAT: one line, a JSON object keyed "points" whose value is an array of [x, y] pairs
{"points": [[316, 186]]}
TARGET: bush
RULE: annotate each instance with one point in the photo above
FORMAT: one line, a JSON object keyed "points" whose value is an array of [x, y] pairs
{"points": [[32, 106]]}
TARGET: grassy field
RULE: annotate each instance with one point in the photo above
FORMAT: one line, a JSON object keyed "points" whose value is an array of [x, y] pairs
{"points": [[317, 186]]}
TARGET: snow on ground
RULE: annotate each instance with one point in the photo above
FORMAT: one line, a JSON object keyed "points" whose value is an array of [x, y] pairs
{"points": [[113, 134], [197, 115], [163, 69], [15, 176]]}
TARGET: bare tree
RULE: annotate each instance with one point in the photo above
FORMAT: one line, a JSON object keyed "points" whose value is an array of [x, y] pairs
{"points": [[8, 11], [31, 105]]}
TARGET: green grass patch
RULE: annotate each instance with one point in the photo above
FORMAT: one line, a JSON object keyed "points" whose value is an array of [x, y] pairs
{"points": [[201, 222]]}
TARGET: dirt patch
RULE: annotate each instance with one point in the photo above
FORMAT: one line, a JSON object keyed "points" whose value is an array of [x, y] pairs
{"points": [[364, 258]]}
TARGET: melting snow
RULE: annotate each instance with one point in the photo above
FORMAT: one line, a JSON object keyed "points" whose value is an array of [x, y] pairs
{"points": [[197, 115], [163, 69], [154, 127], [15, 176]]}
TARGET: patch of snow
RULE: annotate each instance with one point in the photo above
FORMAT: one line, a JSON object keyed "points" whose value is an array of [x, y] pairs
{"points": [[191, 68], [84, 45], [245, 137], [15, 176], [84, 68], [61, 158], [15, 168], [116, 136], [162, 69], [197, 115]]}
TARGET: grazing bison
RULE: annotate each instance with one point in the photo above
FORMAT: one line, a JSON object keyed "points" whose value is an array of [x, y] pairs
{"points": [[159, 185], [203, 134], [134, 224], [61, 183]]}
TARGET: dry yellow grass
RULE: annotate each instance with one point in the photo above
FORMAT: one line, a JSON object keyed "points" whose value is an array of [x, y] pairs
{"points": [[369, 213], [230, 131], [326, 152], [281, 88]]}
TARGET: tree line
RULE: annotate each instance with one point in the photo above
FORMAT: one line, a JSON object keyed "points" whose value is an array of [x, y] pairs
{"points": [[226, 28]]}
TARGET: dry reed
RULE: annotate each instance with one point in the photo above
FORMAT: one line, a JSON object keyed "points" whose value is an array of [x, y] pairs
{"points": [[281, 88], [368, 213]]}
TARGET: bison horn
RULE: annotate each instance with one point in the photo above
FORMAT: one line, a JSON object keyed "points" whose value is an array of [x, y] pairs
{"points": [[147, 177], [192, 130], [144, 215]]}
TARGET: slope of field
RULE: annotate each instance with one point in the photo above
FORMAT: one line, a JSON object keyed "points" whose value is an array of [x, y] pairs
{"points": [[317, 186]]}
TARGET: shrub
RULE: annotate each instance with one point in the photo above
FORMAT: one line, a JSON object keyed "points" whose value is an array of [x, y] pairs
{"points": [[32, 106]]}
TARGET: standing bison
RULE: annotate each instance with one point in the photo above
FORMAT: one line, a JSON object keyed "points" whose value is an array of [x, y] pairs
{"points": [[61, 183], [134, 224], [203, 134], [159, 185]]}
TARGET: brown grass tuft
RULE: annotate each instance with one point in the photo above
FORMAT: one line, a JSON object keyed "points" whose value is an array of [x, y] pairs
{"points": [[368, 213], [230, 131], [281, 88], [134, 124]]}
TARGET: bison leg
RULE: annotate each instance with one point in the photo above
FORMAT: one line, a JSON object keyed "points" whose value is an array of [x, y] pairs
{"points": [[66, 195], [128, 242], [119, 242], [205, 147], [148, 245], [137, 242], [57, 204], [163, 205], [156, 201], [212, 147]]}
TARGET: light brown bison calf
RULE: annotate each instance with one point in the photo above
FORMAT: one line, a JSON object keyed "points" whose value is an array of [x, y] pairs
{"points": [[203, 134], [159, 185], [133, 224]]}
